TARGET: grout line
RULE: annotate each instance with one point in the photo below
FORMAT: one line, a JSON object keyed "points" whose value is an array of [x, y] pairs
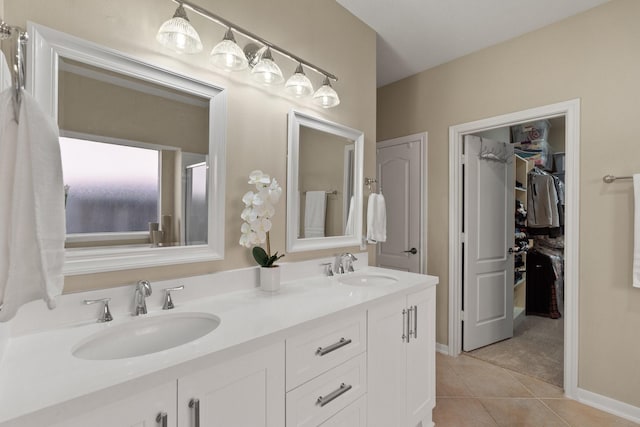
{"points": [[554, 412]]}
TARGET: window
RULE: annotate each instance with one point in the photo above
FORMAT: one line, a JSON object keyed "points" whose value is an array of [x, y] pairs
{"points": [[111, 188]]}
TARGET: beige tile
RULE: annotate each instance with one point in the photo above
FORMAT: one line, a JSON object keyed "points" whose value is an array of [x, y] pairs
{"points": [[486, 380], [461, 412], [579, 415], [449, 384], [521, 413], [538, 388]]}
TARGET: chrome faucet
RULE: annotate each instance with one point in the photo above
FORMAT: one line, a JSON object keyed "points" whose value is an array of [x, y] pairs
{"points": [[344, 260], [143, 290]]}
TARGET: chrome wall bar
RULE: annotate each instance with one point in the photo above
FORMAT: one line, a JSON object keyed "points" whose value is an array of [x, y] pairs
{"points": [[610, 178], [220, 20], [331, 192]]}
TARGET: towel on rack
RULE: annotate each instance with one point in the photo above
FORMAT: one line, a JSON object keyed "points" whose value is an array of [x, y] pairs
{"points": [[314, 213], [32, 218], [5, 73], [348, 229], [376, 219], [636, 231]]}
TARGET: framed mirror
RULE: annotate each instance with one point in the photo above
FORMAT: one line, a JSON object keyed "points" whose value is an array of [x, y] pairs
{"points": [[324, 184], [143, 152]]}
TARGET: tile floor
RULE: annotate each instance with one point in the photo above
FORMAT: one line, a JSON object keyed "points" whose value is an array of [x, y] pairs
{"points": [[474, 393]]}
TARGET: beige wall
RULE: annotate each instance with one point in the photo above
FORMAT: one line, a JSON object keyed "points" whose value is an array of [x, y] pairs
{"points": [[257, 117], [593, 56]]}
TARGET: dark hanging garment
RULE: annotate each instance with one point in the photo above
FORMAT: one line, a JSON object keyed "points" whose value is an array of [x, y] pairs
{"points": [[541, 291]]}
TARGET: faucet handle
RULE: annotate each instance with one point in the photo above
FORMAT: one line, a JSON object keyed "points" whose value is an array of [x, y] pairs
{"points": [[328, 268], [168, 302], [106, 314]]}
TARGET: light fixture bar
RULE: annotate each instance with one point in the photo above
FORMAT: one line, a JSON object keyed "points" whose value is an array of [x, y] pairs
{"points": [[220, 20]]}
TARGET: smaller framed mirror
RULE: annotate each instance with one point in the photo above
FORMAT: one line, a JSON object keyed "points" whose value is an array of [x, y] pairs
{"points": [[324, 184]]}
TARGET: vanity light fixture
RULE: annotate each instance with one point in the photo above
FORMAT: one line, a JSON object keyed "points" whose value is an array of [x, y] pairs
{"points": [[326, 97], [179, 35], [299, 84], [266, 71], [228, 55]]}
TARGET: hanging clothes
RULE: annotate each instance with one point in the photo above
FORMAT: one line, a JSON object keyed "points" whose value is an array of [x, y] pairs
{"points": [[541, 293], [543, 215]]}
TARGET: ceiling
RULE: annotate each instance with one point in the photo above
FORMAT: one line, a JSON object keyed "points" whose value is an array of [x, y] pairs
{"points": [[415, 35]]}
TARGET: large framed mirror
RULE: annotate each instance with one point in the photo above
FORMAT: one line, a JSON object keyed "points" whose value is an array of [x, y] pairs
{"points": [[143, 153], [324, 184]]}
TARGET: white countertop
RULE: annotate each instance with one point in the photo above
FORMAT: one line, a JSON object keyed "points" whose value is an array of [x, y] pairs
{"points": [[38, 370]]}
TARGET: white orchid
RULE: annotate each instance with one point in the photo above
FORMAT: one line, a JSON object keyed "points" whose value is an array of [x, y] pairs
{"points": [[257, 216]]}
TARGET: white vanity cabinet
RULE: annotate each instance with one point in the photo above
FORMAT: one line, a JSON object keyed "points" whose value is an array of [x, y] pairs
{"points": [[153, 407], [244, 391], [326, 372], [401, 361]]}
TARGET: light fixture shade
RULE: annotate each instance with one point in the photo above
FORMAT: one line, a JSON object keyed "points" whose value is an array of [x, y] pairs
{"points": [[326, 97], [267, 71], [228, 55], [178, 34], [298, 84]]}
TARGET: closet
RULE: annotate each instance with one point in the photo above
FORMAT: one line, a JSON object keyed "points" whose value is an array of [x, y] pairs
{"points": [[537, 346]]}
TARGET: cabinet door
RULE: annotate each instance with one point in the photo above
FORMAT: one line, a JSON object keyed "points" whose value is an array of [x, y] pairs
{"points": [[386, 356], [421, 362], [140, 410], [245, 391]]}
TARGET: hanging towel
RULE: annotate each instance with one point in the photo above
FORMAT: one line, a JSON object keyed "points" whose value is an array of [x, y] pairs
{"points": [[636, 231], [32, 221], [376, 219], [314, 213], [349, 228], [5, 74]]}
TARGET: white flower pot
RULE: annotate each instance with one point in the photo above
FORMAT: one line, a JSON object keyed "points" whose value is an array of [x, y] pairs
{"points": [[270, 278]]}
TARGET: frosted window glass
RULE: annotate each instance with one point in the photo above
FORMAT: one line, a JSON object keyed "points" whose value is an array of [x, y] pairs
{"points": [[196, 204], [112, 188]]}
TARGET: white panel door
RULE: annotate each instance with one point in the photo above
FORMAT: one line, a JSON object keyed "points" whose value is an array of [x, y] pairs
{"points": [[489, 231], [399, 164]]}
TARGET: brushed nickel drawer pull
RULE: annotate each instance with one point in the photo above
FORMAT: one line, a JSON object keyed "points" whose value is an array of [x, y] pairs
{"points": [[405, 337], [323, 400], [321, 351], [162, 419], [415, 321], [195, 405]]}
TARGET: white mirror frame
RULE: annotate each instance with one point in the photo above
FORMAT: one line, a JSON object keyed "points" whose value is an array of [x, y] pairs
{"points": [[294, 243], [45, 47]]}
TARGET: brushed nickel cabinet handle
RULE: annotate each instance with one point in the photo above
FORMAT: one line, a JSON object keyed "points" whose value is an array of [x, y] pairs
{"points": [[323, 400], [321, 351], [415, 321], [195, 405], [162, 419], [404, 326]]}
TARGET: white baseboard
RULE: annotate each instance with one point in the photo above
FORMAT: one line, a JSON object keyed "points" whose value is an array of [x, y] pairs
{"points": [[607, 404], [442, 348]]}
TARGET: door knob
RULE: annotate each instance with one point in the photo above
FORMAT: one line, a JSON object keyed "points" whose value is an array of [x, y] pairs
{"points": [[511, 250], [411, 251]]}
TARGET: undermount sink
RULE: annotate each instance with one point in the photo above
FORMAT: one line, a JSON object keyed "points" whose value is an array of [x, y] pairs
{"points": [[142, 336], [368, 279]]}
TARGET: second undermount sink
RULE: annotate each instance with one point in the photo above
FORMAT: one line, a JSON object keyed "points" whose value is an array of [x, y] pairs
{"points": [[368, 279], [142, 336]]}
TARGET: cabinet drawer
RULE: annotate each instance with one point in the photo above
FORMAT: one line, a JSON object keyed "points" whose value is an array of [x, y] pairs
{"points": [[319, 399], [354, 415], [320, 349]]}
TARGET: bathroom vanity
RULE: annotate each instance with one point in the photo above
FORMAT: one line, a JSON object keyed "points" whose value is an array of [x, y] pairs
{"points": [[350, 350]]}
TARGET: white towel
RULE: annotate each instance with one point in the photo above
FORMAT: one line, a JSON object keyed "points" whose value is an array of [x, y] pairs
{"points": [[636, 231], [32, 222], [314, 213], [376, 219], [348, 229], [5, 74]]}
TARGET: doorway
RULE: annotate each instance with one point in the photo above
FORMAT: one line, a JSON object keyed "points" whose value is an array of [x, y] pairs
{"points": [[530, 337], [570, 110]]}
